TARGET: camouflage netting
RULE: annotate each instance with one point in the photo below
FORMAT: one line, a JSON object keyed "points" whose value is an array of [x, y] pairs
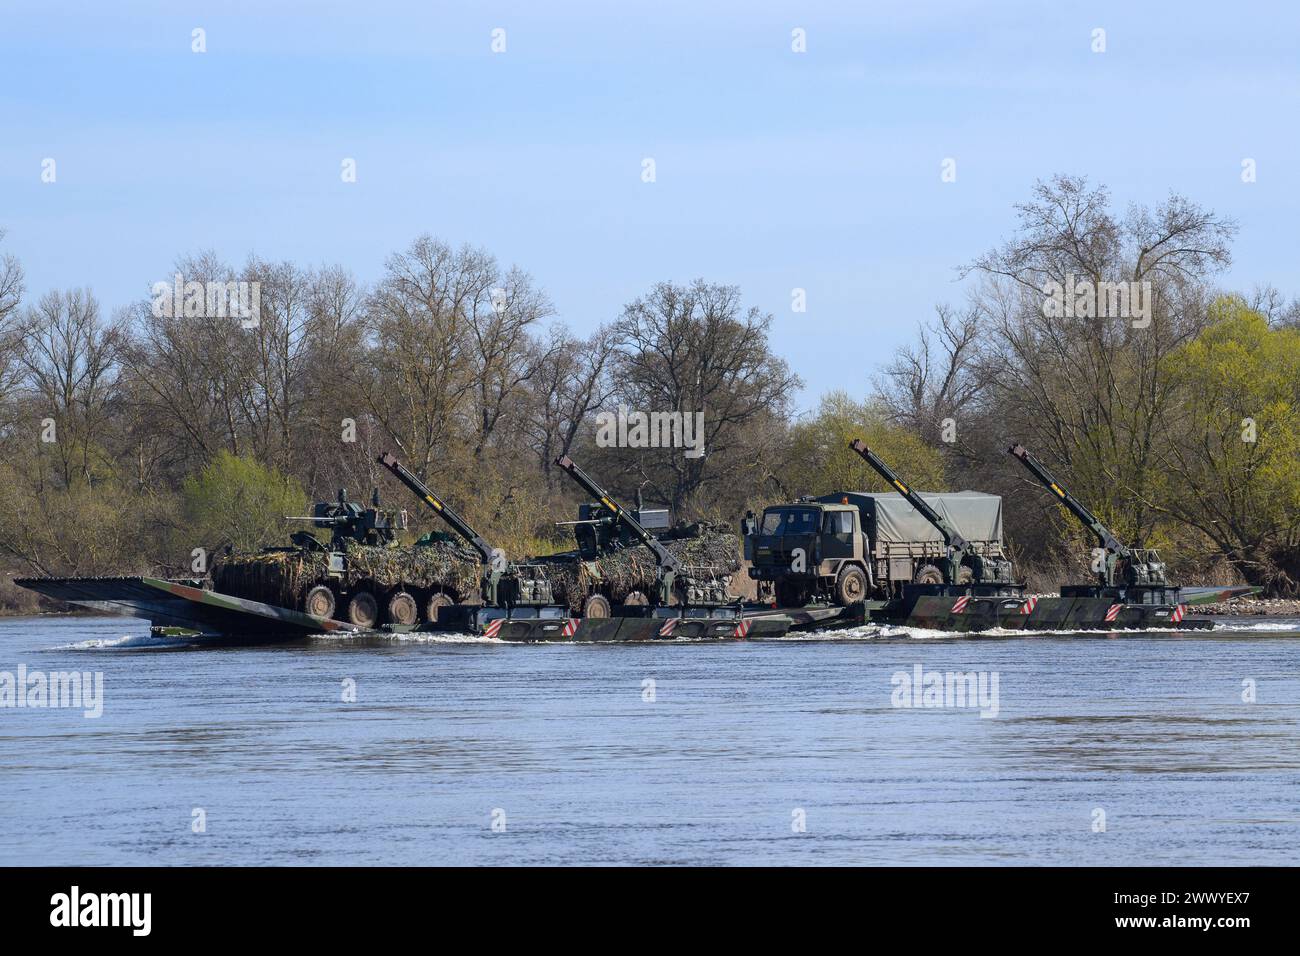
{"points": [[284, 577], [634, 569]]}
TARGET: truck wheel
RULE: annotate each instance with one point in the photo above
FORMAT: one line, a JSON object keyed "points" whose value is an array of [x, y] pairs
{"points": [[597, 606], [363, 609], [851, 587], [635, 599], [319, 602], [928, 574], [435, 606], [965, 575], [402, 609], [791, 594]]}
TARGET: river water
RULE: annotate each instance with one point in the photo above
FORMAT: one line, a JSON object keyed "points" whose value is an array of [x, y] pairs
{"points": [[1092, 749]]}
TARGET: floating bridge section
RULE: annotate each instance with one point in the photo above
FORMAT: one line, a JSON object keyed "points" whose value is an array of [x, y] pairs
{"points": [[184, 606]]}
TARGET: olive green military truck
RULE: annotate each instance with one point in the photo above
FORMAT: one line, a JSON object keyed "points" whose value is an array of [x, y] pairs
{"points": [[853, 545]]}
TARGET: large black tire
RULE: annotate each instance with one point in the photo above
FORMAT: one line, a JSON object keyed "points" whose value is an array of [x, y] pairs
{"points": [[635, 599], [596, 606], [403, 610], [928, 574], [435, 605], [363, 609], [965, 575], [851, 586], [319, 602], [791, 594]]}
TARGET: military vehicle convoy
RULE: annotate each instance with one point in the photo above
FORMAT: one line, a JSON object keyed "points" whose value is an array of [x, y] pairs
{"points": [[365, 577], [901, 557]]}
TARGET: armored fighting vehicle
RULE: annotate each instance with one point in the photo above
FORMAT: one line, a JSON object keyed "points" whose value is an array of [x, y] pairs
{"points": [[621, 564], [361, 575], [507, 589]]}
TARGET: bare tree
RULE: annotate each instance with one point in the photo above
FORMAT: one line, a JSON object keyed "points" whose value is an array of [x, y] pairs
{"points": [[571, 382], [1093, 393], [1269, 302], [336, 350], [69, 355], [11, 295], [692, 349], [506, 357], [280, 354], [190, 377], [421, 377], [11, 284], [450, 337], [938, 378]]}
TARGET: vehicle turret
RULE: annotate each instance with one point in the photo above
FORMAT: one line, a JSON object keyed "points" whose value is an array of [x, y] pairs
{"points": [[349, 521]]}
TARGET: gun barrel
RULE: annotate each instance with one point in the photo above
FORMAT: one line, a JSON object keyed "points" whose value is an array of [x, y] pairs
{"points": [[665, 557], [1105, 537], [457, 523], [951, 536]]}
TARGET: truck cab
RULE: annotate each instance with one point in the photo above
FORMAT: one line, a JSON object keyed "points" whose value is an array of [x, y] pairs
{"points": [[810, 549]]}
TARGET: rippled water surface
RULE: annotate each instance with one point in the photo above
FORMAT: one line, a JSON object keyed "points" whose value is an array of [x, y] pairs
{"points": [[741, 742]]}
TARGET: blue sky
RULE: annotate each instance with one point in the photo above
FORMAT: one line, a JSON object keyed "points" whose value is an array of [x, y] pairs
{"points": [[775, 170]]}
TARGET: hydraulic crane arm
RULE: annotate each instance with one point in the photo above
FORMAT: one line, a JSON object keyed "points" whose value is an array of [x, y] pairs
{"points": [[1105, 538], [458, 524], [667, 560], [951, 536]]}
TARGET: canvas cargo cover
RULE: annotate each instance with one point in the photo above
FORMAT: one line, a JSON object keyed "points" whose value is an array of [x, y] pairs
{"points": [[888, 518]]}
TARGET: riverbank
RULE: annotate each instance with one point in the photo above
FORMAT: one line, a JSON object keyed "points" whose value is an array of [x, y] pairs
{"points": [[1252, 607]]}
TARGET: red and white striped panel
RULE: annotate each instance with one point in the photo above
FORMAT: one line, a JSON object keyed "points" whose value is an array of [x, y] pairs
{"points": [[742, 629], [1114, 612], [571, 627], [668, 627], [493, 627], [1179, 613], [960, 606], [1029, 605]]}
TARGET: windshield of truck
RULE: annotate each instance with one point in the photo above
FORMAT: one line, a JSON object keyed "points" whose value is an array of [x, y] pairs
{"points": [[789, 521]]}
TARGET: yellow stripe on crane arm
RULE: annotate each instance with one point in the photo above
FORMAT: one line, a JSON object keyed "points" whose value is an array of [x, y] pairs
{"points": [[609, 504], [434, 501], [900, 486], [1059, 492]]}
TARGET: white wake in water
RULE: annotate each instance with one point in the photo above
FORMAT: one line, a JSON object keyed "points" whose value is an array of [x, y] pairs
{"points": [[864, 632], [125, 642], [413, 637], [869, 632], [1259, 626]]}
